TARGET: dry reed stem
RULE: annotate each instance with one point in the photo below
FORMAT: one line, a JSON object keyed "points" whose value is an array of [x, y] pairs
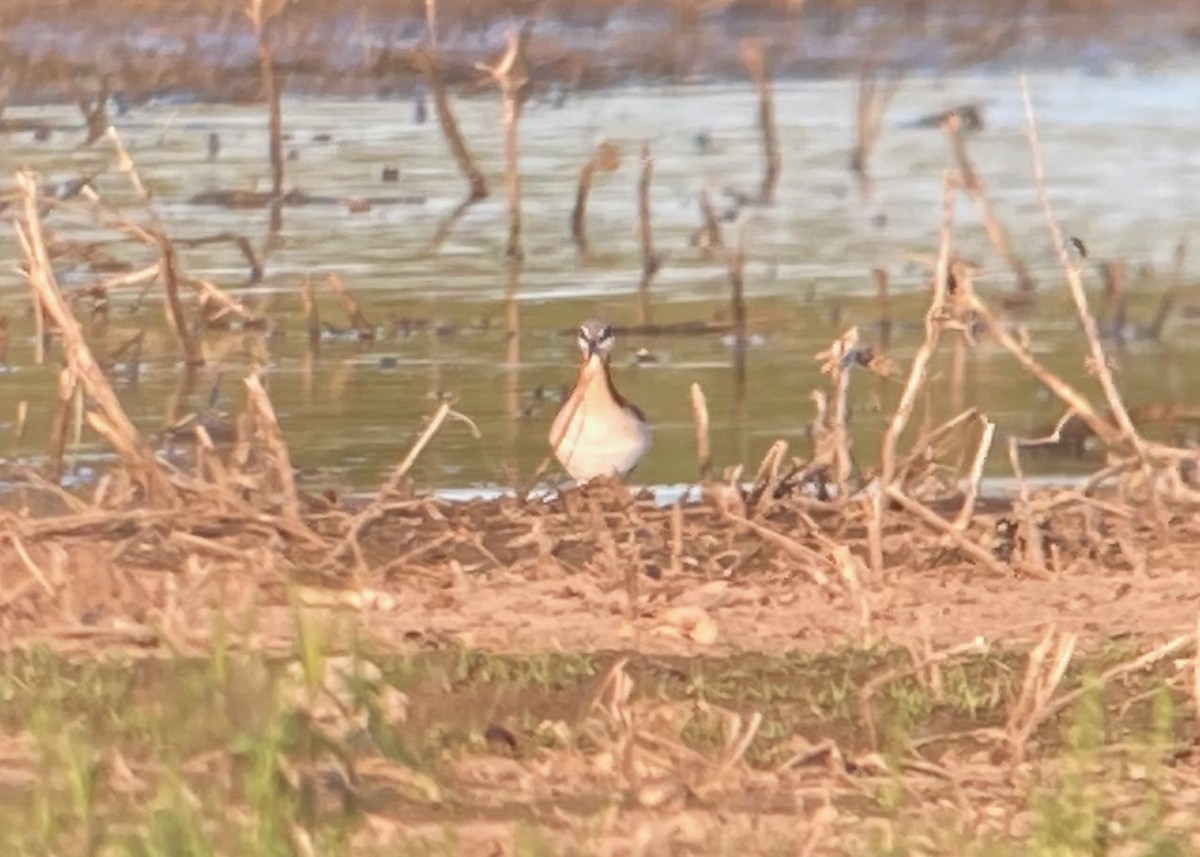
{"points": [[839, 361], [933, 327], [1099, 362], [996, 233], [700, 419], [937, 522], [210, 293], [435, 423], [509, 77], [261, 20], [128, 442], [810, 561], [126, 165], [874, 509], [1175, 644], [1044, 672], [1034, 555], [976, 475], [1071, 397], [259, 405], [651, 262], [770, 474], [751, 56], [915, 667]]}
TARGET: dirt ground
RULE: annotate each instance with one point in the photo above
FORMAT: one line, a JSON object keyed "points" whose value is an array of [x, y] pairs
{"points": [[606, 572]]}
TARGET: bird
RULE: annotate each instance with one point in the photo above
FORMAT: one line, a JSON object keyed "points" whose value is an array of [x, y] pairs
{"points": [[597, 433]]}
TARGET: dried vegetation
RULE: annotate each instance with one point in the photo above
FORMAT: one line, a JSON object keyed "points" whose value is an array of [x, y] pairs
{"points": [[223, 562]]}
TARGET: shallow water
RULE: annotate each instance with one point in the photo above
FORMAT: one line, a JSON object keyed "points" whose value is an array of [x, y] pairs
{"points": [[1122, 158]]}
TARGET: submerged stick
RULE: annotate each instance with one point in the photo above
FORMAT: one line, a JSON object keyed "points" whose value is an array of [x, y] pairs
{"points": [[358, 319], [650, 260], [752, 58], [175, 314], [312, 317], [260, 20], [605, 160], [870, 107], [882, 292], [427, 63]]}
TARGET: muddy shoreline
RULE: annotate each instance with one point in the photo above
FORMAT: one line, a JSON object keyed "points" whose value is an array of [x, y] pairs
{"points": [[147, 50]]}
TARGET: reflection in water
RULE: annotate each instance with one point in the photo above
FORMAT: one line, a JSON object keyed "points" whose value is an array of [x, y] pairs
{"points": [[512, 364]]}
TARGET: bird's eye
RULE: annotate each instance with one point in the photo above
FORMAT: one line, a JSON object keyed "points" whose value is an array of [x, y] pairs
{"points": [[607, 333]]}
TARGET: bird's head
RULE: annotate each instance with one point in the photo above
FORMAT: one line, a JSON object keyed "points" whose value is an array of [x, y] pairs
{"points": [[595, 339]]}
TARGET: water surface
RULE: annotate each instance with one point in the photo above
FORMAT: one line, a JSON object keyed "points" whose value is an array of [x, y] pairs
{"points": [[1122, 156]]}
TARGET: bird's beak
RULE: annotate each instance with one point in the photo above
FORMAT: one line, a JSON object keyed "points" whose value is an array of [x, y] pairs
{"points": [[592, 348]]}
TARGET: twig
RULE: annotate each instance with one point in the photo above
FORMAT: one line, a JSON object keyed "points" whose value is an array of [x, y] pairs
{"points": [[933, 326], [1078, 295], [509, 77], [976, 475]]}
